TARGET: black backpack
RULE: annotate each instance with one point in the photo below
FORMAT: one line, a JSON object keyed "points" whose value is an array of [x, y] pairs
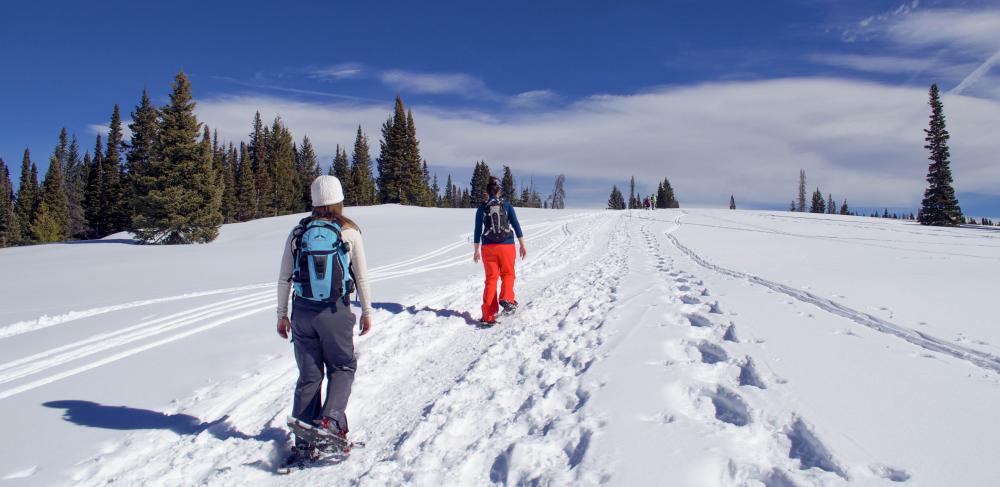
{"points": [[496, 224]]}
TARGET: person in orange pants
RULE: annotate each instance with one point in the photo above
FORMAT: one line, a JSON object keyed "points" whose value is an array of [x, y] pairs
{"points": [[496, 227]]}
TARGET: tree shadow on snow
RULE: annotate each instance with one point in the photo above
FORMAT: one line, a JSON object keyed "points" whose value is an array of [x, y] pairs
{"points": [[396, 308], [93, 415], [125, 241]]}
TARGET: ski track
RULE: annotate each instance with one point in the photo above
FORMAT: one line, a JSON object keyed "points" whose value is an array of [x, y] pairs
{"points": [[450, 353], [242, 306], [923, 340]]}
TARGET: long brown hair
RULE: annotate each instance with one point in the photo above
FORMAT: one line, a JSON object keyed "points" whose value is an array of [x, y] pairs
{"points": [[334, 213]]}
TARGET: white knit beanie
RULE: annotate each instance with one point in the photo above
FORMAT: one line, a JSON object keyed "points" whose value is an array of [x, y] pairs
{"points": [[326, 190]]}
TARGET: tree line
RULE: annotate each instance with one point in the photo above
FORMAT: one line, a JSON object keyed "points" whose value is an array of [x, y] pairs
{"points": [[174, 181], [664, 194]]}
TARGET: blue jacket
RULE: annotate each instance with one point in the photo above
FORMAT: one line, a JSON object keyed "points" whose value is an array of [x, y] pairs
{"points": [[511, 216]]}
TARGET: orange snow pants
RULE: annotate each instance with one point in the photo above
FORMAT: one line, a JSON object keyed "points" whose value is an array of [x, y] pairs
{"points": [[498, 259]]}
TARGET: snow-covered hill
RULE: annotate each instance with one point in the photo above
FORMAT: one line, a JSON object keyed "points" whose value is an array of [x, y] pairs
{"points": [[695, 347]]}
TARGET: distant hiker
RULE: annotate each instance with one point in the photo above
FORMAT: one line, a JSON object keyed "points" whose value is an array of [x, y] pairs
{"points": [[652, 202], [645, 202], [323, 261], [494, 220]]}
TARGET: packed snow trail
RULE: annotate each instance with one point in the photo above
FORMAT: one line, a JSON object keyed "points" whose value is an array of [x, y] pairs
{"points": [[978, 358]]}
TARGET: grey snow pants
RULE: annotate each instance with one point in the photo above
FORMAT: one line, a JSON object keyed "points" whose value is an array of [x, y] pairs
{"points": [[323, 340]]}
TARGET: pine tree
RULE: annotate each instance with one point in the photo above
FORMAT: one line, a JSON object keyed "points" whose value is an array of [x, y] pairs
{"points": [[791, 207], [308, 169], [940, 206], [115, 207], [435, 193], [287, 186], [229, 202], [732, 202], [831, 206], [449, 194], [668, 197], [616, 201], [27, 196], [415, 184], [425, 186], [508, 189], [184, 201], [362, 178], [843, 208], [10, 231], [802, 190], [341, 168], [94, 190], [467, 201], [393, 157], [480, 179], [76, 186], [558, 197], [262, 169], [52, 224], [246, 184], [144, 126], [632, 200], [818, 205]]}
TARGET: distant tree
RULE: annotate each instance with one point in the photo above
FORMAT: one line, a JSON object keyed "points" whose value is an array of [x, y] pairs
{"points": [[341, 168], [633, 201], [802, 190], [51, 223], [940, 206], [843, 208], [28, 196], [362, 179], [281, 155], [616, 201], [449, 194], [115, 196], [262, 167], [831, 206], [818, 205], [792, 207], [508, 191], [140, 154], [667, 199], [426, 192], [246, 186], [10, 232], [732, 202], [885, 213], [230, 163], [435, 193], [76, 186], [307, 167], [467, 201], [558, 197], [480, 178], [94, 190]]}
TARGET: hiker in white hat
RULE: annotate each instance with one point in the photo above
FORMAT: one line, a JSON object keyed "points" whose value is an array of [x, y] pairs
{"points": [[322, 263]]}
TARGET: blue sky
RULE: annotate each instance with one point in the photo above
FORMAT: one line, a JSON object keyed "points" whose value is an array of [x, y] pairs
{"points": [[722, 97]]}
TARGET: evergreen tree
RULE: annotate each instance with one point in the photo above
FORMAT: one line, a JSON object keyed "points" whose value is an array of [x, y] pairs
{"points": [[183, 205], [393, 157], [632, 200], [435, 193], [27, 196], [144, 126], [362, 178], [802, 190], [287, 186], [246, 184], [415, 184], [262, 167], [115, 204], [791, 207], [341, 168], [76, 187], [449, 194], [10, 231], [94, 189], [229, 202], [818, 205], [308, 169], [558, 197], [831, 206], [616, 201], [940, 206], [480, 178], [508, 189], [732, 202], [52, 224], [668, 198], [843, 208], [425, 186], [467, 201]]}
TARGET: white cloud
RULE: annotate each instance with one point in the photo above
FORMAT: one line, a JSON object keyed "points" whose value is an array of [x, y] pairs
{"points": [[437, 83], [338, 72], [977, 30], [862, 141], [102, 130], [533, 99]]}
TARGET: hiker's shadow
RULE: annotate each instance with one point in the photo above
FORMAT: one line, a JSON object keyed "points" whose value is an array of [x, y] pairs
{"points": [[93, 415], [397, 308]]}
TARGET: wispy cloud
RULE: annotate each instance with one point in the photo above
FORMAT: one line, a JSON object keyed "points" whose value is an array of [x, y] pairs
{"points": [[862, 141], [876, 64], [533, 99], [866, 27], [437, 83], [338, 72], [273, 87]]}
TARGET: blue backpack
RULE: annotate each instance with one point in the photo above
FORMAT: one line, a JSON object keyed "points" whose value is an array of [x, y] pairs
{"points": [[322, 265]]}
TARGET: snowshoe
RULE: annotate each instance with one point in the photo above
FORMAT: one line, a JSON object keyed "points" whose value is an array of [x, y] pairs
{"points": [[509, 307], [298, 459], [325, 439]]}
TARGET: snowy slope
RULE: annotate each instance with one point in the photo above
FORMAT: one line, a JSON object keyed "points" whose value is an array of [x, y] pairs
{"points": [[694, 347]]}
